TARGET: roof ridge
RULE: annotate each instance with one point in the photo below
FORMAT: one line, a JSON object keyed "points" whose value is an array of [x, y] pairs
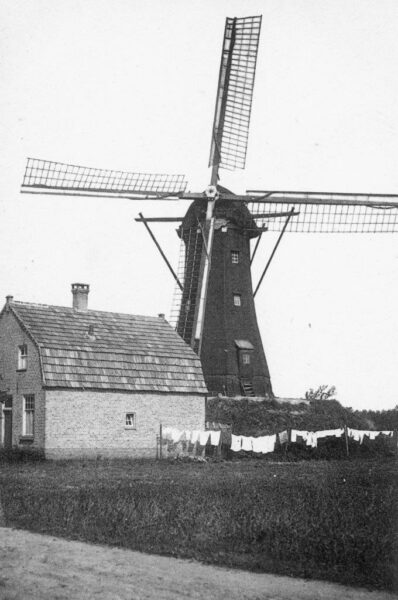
{"points": [[88, 311]]}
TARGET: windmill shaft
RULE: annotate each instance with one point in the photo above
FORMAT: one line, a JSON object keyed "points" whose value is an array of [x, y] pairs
{"points": [[204, 282]]}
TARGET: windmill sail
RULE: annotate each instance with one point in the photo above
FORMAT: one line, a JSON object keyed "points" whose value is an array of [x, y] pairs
{"points": [[235, 93], [321, 212], [44, 176]]}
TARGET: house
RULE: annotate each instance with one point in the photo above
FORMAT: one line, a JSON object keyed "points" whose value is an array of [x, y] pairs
{"points": [[77, 382]]}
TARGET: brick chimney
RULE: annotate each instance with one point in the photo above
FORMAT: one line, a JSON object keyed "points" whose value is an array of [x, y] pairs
{"points": [[80, 295], [9, 299]]}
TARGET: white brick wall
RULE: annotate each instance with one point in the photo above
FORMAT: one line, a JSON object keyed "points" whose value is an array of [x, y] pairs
{"points": [[86, 423]]}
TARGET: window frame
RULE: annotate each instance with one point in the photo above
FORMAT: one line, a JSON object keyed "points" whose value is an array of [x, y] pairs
{"points": [[246, 358], [237, 298], [22, 357], [134, 419], [25, 411], [235, 257]]}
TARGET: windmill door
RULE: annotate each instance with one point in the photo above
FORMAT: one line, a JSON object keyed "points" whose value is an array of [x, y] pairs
{"points": [[245, 359], [7, 412], [245, 364]]}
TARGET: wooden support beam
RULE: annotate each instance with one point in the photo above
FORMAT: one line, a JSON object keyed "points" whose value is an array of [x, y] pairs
{"points": [[144, 220], [159, 219], [255, 247], [273, 251]]}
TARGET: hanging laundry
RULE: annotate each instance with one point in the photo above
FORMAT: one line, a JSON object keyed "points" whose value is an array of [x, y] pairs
{"points": [[330, 433], [195, 436], [264, 444], [236, 443], [389, 433], [259, 444], [215, 437], [166, 433], [283, 437], [204, 437], [295, 433], [356, 434], [247, 444], [226, 435], [312, 439], [176, 435], [270, 442]]}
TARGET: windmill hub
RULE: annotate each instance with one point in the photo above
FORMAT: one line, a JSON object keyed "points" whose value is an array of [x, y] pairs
{"points": [[212, 193]]}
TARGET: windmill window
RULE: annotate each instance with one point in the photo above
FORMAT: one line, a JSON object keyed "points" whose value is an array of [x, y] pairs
{"points": [[22, 357], [130, 421], [28, 415], [237, 300], [246, 358], [235, 257]]}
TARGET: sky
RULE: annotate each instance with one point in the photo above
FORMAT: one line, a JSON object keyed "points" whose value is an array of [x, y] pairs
{"points": [[131, 85]]}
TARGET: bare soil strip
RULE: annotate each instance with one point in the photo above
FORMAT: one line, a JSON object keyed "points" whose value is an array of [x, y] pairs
{"points": [[41, 567]]}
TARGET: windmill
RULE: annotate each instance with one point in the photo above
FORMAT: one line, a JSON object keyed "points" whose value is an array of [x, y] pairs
{"points": [[214, 309]]}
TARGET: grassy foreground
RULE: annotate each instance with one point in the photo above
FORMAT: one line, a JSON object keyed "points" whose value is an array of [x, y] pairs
{"points": [[327, 520]]}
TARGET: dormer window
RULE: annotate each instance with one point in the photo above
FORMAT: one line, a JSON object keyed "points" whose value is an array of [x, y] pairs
{"points": [[22, 357]]}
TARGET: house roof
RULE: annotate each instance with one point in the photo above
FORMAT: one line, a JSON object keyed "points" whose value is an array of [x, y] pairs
{"points": [[119, 352]]}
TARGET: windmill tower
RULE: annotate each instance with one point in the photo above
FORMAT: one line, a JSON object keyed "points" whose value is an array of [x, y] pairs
{"points": [[214, 308]]}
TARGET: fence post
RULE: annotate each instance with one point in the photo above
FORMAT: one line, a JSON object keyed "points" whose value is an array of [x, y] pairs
{"points": [[160, 441], [289, 434], [346, 440]]}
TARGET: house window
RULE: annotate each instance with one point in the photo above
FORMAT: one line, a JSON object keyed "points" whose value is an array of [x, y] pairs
{"points": [[28, 414], [237, 300], [246, 358], [235, 257], [22, 357], [130, 421]]}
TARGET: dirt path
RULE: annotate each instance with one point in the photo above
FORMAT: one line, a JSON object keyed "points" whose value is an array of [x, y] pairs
{"points": [[41, 567]]}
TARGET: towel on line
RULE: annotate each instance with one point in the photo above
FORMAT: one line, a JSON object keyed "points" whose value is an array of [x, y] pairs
{"points": [[236, 443], [215, 437]]}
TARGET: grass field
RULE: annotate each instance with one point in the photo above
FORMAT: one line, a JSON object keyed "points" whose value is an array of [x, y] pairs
{"points": [[335, 520]]}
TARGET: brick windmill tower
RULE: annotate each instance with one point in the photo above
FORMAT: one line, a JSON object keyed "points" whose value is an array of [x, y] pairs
{"points": [[214, 309]]}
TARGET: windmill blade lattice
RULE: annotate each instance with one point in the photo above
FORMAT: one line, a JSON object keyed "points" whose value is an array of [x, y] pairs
{"points": [[235, 92], [326, 212], [43, 176], [182, 314]]}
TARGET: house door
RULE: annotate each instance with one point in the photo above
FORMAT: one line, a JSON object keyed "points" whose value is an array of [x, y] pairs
{"points": [[7, 413]]}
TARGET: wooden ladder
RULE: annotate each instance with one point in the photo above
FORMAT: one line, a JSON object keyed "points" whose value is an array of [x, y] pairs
{"points": [[247, 387]]}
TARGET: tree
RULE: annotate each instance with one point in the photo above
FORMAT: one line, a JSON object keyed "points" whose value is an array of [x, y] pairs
{"points": [[323, 392]]}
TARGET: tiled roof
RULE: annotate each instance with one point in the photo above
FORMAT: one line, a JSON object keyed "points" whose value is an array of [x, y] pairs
{"points": [[125, 352]]}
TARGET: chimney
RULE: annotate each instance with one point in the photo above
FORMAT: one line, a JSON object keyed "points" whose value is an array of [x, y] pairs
{"points": [[9, 299], [80, 295]]}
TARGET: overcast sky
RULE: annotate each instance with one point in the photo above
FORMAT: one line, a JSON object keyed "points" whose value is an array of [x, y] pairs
{"points": [[131, 85]]}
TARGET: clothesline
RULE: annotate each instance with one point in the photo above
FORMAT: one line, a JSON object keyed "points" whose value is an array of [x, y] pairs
{"points": [[266, 444], [203, 437]]}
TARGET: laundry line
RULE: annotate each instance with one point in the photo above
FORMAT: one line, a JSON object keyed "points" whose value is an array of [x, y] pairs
{"points": [[203, 437], [266, 444]]}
